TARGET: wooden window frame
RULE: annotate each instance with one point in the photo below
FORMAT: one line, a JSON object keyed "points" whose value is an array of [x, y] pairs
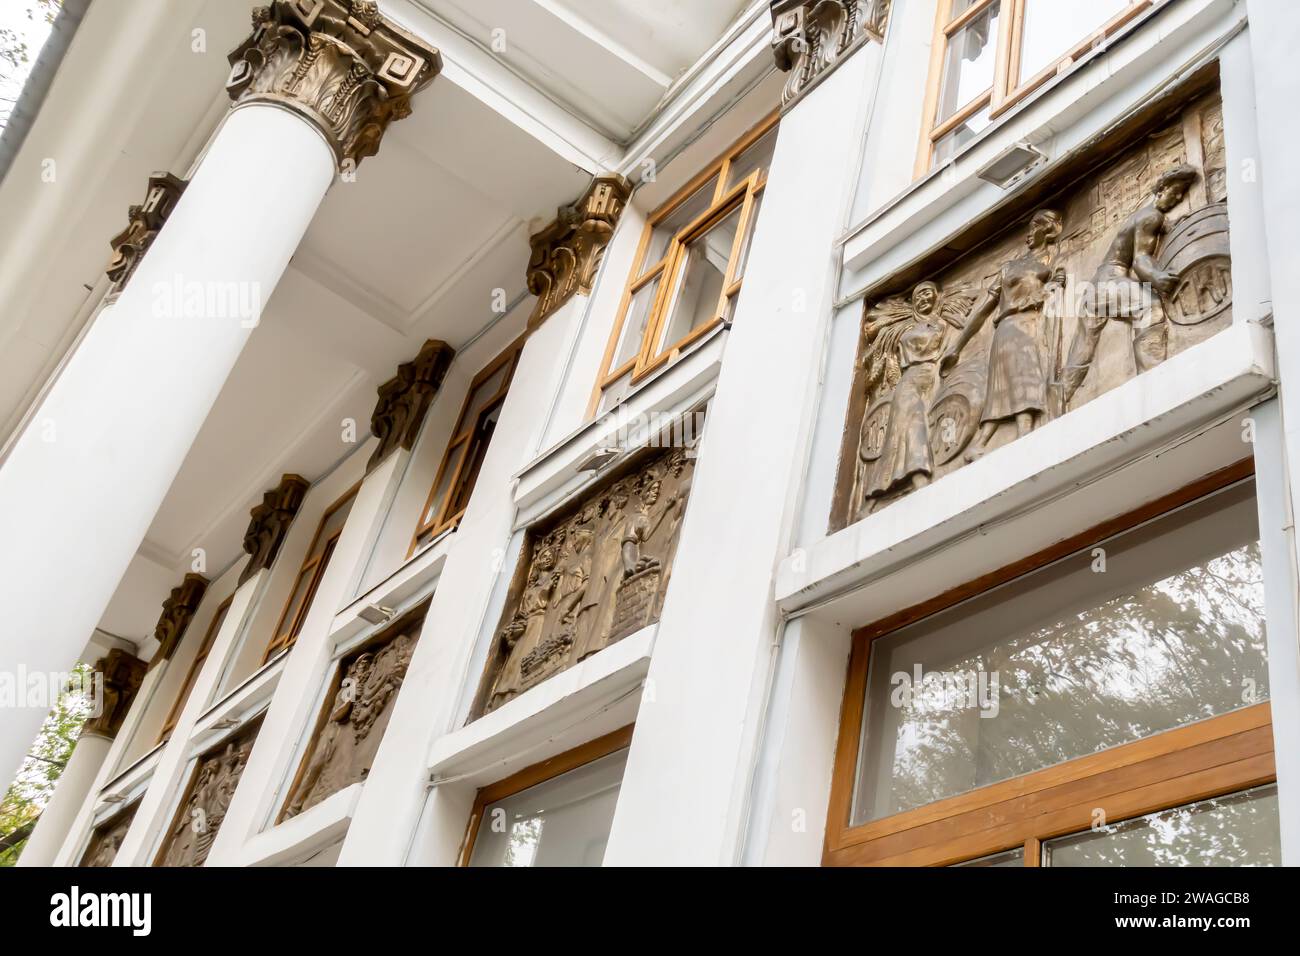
{"points": [[744, 196], [192, 675], [540, 772], [286, 631], [456, 453], [1005, 92], [1207, 758]]}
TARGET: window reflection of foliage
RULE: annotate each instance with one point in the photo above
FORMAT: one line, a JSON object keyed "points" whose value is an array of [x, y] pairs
{"points": [[525, 835], [1163, 655], [1236, 830]]}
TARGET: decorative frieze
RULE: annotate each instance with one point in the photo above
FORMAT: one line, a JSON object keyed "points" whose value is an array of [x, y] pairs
{"points": [[178, 611], [355, 716], [270, 523], [144, 222], [809, 37], [203, 808], [120, 675], [106, 839], [567, 253], [591, 578], [1122, 267], [405, 398], [339, 63]]}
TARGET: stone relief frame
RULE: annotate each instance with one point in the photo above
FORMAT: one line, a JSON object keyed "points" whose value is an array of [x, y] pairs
{"points": [[1210, 757], [363, 688], [106, 838], [539, 772], [1127, 263]]}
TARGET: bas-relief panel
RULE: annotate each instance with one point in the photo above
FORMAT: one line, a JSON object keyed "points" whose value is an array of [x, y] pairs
{"points": [[107, 838], [356, 716], [591, 579], [1113, 274], [203, 808]]}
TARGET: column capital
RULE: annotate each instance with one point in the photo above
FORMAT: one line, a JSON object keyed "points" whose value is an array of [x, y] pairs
{"points": [[270, 523], [567, 253], [178, 611], [120, 674], [144, 222], [405, 398], [809, 37], [339, 63]]}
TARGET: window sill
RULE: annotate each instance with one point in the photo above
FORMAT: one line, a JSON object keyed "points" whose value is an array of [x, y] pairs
{"points": [[397, 591], [1058, 118], [239, 706], [587, 701], [1108, 456], [303, 836], [671, 391]]}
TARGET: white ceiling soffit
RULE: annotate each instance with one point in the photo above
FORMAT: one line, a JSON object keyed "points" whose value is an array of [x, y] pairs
{"points": [[609, 62]]}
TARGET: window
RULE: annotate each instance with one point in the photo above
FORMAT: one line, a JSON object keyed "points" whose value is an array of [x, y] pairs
{"points": [[1124, 669], [213, 629], [689, 266], [468, 447], [989, 54], [555, 813], [310, 574]]}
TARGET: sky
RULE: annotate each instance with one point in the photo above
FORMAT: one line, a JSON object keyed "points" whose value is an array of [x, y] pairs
{"points": [[34, 31]]}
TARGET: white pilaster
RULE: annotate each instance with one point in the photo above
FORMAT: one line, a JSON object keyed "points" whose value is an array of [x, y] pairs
{"points": [[685, 792], [82, 484]]}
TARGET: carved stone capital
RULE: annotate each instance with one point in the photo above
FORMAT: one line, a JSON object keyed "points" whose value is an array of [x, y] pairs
{"points": [[178, 611], [270, 523], [120, 675], [404, 399], [567, 253], [144, 222], [809, 37], [339, 63]]}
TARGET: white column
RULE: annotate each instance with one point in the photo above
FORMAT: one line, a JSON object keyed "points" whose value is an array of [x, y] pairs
{"points": [[82, 484], [1274, 33], [686, 788], [69, 794]]}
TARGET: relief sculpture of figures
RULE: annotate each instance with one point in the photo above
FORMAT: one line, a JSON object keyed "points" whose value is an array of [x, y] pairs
{"points": [[204, 808], [903, 339], [1018, 371], [345, 747], [592, 579], [1028, 313], [1123, 284]]}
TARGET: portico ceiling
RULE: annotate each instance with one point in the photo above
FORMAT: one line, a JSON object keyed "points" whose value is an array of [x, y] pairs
{"points": [[413, 249]]}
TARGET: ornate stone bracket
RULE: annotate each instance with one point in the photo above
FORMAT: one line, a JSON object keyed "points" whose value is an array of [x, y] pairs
{"points": [[121, 674], [178, 611], [405, 398], [144, 223], [567, 253], [809, 37], [270, 523], [339, 63]]}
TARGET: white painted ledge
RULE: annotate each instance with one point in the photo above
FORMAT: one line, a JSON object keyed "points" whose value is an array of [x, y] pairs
{"points": [[587, 701], [237, 707], [303, 836], [395, 591], [1191, 389]]}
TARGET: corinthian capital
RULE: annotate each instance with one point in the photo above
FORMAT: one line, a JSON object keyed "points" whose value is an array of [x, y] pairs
{"points": [[178, 611], [120, 675], [567, 253], [337, 62], [270, 523], [144, 222], [809, 37], [405, 398]]}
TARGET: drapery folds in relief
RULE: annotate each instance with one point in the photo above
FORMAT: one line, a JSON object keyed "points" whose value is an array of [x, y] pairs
{"points": [[106, 839], [591, 578], [1118, 268], [203, 808]]}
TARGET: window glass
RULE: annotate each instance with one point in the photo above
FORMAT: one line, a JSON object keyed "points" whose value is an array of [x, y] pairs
{"points": [[686, 213], [1240, 829], [968, 62], [758, 156], [743, 257], [638, 314], [563, 821], [949, 144], [1006, 858], [478, 446], [703, 271], [1051, 29], [1158, 627]]}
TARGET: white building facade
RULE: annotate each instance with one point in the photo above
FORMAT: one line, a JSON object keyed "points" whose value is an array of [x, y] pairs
{"points": [[845, 432]]}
